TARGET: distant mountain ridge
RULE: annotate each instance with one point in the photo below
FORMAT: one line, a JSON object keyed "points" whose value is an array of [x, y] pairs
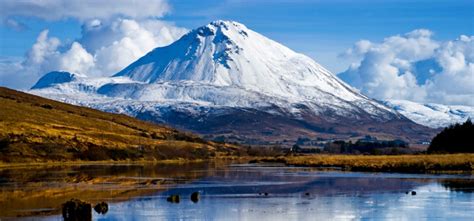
{"points": [[223, 79], [432, 115]]}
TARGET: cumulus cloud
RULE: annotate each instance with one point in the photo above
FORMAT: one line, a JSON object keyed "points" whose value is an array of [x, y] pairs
{"points": [[83, 9], [42, 49], [113, 35], [120, 43], [414, 67], [76, 60], [123, 41], [44, 56]]}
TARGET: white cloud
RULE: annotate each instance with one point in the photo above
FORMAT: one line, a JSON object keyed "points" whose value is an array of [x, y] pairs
{"points": [[125, 40], [43, 48], [102, 50], [76, 60], [44, 56], [114, 34], [415, 67], [83, 9]]}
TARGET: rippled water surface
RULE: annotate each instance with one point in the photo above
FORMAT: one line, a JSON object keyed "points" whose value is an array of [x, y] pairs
{"points": [[236, 192]]}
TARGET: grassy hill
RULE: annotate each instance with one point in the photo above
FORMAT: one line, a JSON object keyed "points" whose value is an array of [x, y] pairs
{"points": [[34, 129]]}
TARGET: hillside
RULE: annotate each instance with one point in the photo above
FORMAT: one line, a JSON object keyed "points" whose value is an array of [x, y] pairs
{"points": [[38, 129]]}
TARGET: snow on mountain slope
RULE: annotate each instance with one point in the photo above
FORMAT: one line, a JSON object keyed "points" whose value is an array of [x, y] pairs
{"points": [[432, 115], [227, 56], [224, 68]]}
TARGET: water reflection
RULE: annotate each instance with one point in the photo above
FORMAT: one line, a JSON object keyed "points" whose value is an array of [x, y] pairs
{"points": [[459, 185], [237, 193], [42, 191]]}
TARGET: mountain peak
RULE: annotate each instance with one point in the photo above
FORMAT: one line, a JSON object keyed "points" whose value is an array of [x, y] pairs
{"points": [[220, 53], [220, 28], [226, 23]]}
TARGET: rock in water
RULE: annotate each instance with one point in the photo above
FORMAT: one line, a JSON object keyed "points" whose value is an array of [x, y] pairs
{"points": [[173, 199], [77, 210], [195, 197], [101, 208]]}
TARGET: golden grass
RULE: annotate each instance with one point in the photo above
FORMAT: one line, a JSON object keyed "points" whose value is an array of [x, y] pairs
{"points": [[384, 163], [40, 129]]}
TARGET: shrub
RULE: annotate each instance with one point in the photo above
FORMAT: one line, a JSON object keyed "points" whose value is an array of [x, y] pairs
{"points": [[46, 106], [94, 153]]}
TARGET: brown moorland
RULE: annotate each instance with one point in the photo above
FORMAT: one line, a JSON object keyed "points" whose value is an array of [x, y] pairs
{"points": [[35, 129], [419, 163]]}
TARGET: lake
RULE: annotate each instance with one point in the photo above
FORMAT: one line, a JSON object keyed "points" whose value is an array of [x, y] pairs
{"points": [[235, 192]]}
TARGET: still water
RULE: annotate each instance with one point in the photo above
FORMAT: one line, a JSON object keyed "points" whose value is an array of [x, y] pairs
{"points": [[235, 192]]}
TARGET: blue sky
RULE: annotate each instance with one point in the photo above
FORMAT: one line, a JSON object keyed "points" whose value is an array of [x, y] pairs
{"points": [[320, 29]]}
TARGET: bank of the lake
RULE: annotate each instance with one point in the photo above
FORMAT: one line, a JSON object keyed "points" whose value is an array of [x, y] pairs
{"points": [[414, 163], [420, 163]]}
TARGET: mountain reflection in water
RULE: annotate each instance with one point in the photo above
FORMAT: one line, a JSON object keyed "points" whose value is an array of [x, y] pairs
{"points": [[236, 192]]}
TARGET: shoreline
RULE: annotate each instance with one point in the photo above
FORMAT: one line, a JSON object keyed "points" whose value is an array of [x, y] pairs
{"points": [[19, 165], [421, 163], [409, 163]]}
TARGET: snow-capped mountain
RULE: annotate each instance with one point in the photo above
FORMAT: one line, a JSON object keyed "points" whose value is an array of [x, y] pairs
{"points": [[224, 78], [432, 115]]}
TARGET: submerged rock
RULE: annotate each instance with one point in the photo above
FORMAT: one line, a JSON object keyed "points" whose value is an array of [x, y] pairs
{"points": [[195, 197], [77, 210], [101, 208], [173, 199]]}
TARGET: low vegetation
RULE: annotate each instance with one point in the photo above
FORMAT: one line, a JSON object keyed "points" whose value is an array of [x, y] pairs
{"points": [[384, 163], [34, 129]]}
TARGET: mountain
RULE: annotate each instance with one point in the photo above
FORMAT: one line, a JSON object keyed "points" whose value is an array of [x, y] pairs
{"points": [[38, 129], [228, 82], [432, 115]]}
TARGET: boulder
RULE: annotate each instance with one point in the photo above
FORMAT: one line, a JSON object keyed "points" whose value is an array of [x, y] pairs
{"points": [[101, 208], [195, 197], [77, 210], [173, 199]]}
